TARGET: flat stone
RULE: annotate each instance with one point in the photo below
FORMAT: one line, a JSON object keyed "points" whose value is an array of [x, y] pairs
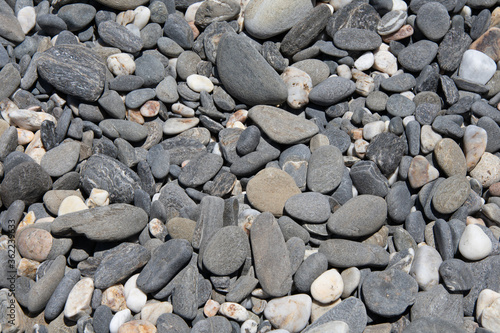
{"points": [[120, 37], [76, 16], [27, 181], [201, 169], [354, 39], [433, 20], [488, 43], [108, 223], [308, 207], [262, 22], [368, 179], [438, 303], [386, 150], [269, 190], [389, 293], [57, 300], [106, 173], [10, 79], [433, 325], [11, 28], [253, 81], [227, 250], [119, 263], [178, 29], [360, 216], [166, 261], [74, 70], [332, 91], [282, 126], [273, 272], [451, 194], [421, 172], [61, 159], [122, 5], [475, 143], [78, 302], [418, 55], [342, 253]]}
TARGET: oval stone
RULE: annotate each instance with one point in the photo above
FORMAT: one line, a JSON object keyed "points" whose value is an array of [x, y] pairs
{"points": [[245, 73], [309, 207], [325, 170], [226, 251], [450, 194], [74, 70], [360, 216], [270, 189], [61, 159], [353, 39], [201, 169]]}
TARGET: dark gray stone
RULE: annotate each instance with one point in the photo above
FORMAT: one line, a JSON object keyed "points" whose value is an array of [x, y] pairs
{"points": [[344, 253], [248, 140], [325, 170], [136, 98], [113, 104], [166, 261], [57, 300], [102, 318], [120, 37], [177, 29], [493, 131], [77, 16], [399, 202], [308, 207], [150, 69], [201, 169], [400, 106], [332, 91], [74, 70], [42, 290], [433, 20], [418, 55], [389, 293], [245, 73], [386, 150], [368, 179], [398, 83], [226, 251], [354, 39], [119, 264], [457, 275]]}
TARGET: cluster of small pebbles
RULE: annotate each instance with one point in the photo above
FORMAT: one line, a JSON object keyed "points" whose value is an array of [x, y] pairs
{"points": [[249, 166]]}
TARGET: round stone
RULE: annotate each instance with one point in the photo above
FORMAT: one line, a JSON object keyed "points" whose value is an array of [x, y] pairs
{"points": [[34, 244], [269, 190], [450, 157], [433, 20], [451, 194]]}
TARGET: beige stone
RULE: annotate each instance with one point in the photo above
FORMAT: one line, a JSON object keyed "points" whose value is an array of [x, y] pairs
{"points": [[114, 298], [327, 287], [421, 172], [211, 308], [27, 267], [137, 326], [154, 309], [487, 171], [78, 302], [34, 243]]}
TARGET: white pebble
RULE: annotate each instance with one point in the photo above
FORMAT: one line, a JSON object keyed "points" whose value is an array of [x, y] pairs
{"points": [[30, 120], [120, 318], [98, 198], [27, 18], [199, 83], [399, 5], [126, 17], [475, 140], [477, 67], [78, 302], [428, 139], [211, 308], [24, 136], [71, 204], [490, 317], [474, 243], [335, 326], [299, 84], [344, 71], [183, 110], [327, 287], [191, 11], [385, 62], [487, 171], [425, 268], [249, 326], [121, 64], [290, 313], [234, 311], [486, 298], [365, 61], [373, 129], [136, 300], [337, 4], [142, 15], [178, 125]]}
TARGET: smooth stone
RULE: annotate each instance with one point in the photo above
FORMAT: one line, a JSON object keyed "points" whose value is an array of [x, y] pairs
{"points": [[351, 278], [312, 267], [200, 170], [233, 311], [150, 68], [11, 28], [282, 126], [71, 204], [350, 311], [425, 268], [451, 194], [120, 318], [399, 83], [438, 302], [308, 207], [433, 324], [360, 216], [170, 321], [456, 275], [121, 64], [119, 36], [262, 22], [57, 300], [78, 302], [245, 81], [325, 169], [400, 106], [27, 181], [475, 143], [476, 67], [389, 293], [474, 243], [299, 84], [332, 91], [487, 309], [108, 223], [289, 313], [76, 16], [354, 39], [199, 83], [10, 79], [327, 287], [368, 179], [119, 264], [391, 22], [175, 126], [421, 172], [123, 4], [166, 261], [178, 29], [61, 159], [487, 171], [74, 70], [273, 272], [344, 253], [227, 250], [114, 298], [433, 20], [418, 55], [27, 18], [317, 70]]}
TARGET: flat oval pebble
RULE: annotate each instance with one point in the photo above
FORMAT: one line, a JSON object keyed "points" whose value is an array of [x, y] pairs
{"points": [[200, 170], [353, 39], [269, 190], [360, 216], [418, 55], [281, 126], [451, 194], [61, 159], [308, 207], [332, 90], [199, 83], [178, 125], [450, 157]]}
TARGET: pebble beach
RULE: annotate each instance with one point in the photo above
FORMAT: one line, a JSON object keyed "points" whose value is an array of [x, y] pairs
{"points": [[249, 166]]}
